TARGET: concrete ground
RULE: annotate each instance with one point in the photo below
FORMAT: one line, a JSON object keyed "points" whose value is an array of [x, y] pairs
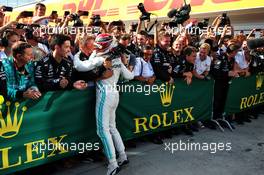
{"points": [[246, 156]]}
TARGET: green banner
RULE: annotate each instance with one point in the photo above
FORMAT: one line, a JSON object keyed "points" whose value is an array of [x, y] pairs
{"points": [[245, 93], [63, 123]]}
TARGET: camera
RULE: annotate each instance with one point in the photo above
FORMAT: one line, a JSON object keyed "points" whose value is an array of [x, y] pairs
{"points": [[20, 26], [225, 20], [179, 16], [77, 21], [26, 14], [257, 62], [133, 27], [7, 9], [74, 16], [96, 20], [204, 23], [66, 13], [144, 14]]}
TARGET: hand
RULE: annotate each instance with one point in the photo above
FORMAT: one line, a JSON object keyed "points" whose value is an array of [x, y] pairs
{"points": [[64, 83], [201, 77], [188, 80], [171, 80], [151, 80], [68, 18], [80, 85], [11, 24], [187, 74], [107, 64], [32, 94], [170, 69], [233, 74], [124, 60], [247, 74], [53, 16], [107, 74]]}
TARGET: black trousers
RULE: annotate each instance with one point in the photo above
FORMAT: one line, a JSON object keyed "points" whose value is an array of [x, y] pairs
{"points": [[220, 95]]}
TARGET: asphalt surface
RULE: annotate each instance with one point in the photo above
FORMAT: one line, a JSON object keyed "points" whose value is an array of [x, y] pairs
{"points": [[220, 153], [239, 152]]}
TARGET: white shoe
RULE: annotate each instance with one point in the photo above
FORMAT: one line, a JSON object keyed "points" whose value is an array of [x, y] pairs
{"points": [[114, 171]]}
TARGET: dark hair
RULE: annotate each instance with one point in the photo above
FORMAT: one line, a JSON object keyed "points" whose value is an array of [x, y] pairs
{"points": [[147, 47], [19, 48], [125, 37], [232, 47], [143, 32], [39, 5], [6, 36], [58, 39], [189, 50], [10, 33]]}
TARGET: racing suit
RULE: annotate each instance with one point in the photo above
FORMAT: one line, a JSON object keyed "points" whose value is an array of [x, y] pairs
{"points": [[107, 98]]}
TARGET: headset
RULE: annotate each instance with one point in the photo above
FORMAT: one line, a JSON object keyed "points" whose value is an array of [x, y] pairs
{"points": [[4, 38]]}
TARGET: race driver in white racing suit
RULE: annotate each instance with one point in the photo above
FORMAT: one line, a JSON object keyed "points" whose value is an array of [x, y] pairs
{"points": [[107, 98]]}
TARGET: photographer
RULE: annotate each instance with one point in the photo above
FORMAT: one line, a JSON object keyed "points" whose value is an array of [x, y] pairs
{"points": [[40, 18], [96, 23], [20, 73]]}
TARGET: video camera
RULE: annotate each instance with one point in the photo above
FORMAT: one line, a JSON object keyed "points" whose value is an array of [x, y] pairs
{"points": [[133, 27], [96, 20], [179, 16], [145, 16], [7, 9], [76, 18], [225, 20], [257, 62], [204, 23]]}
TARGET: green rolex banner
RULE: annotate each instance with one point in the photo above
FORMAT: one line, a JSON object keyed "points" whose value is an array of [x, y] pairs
{"points": [[63, 123], [245, 93]]}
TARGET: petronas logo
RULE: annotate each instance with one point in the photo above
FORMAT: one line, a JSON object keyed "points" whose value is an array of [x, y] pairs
{"points": [[166, 94], [10, 125], [259, 80]]}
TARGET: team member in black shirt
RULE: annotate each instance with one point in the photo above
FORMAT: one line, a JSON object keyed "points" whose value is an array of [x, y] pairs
{"points": [[222, 71], [54, 72], [161, 61]]}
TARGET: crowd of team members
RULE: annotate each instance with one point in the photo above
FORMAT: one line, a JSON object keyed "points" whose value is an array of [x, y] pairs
{"points": [[31, 65]]}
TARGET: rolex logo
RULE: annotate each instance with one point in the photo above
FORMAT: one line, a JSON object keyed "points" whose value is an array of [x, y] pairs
{"points": [[166, 94], [259, 80], [10, 125]]}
